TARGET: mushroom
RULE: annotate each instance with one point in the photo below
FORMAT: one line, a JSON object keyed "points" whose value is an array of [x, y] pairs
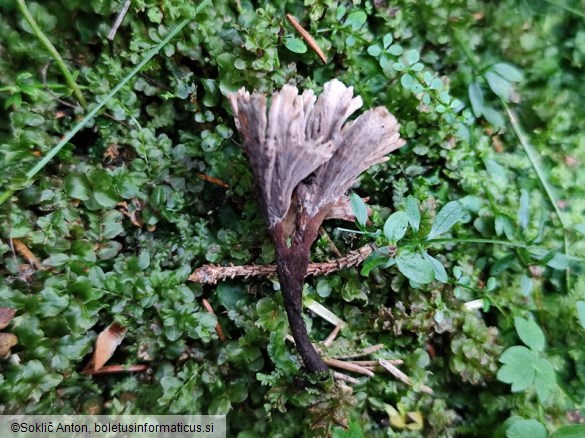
{"points": [[304, 156]]}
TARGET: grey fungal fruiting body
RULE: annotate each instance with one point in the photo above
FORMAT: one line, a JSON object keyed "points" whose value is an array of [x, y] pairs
{"points": [[305, 156]]}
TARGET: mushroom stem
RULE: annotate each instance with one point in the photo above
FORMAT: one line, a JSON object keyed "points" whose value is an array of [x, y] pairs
{"points": [[291, 267], [292, 263]]}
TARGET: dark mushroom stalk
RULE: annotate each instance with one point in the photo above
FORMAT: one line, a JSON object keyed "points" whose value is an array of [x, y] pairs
{"points": [[305, 156]]}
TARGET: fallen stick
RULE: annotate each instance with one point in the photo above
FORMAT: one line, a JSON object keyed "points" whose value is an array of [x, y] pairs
{"points": [[307, 37], [118, 21], [401, 376], [211, 274]]}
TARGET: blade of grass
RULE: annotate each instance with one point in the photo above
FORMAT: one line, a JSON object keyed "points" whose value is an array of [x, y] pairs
{"points": [[55, 150], [534, 162], [566, 8], [53, 51]]}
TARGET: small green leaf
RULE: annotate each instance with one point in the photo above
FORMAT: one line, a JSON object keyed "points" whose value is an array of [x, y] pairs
{"points": [[356, 19], [518, 368], [476, 98], [412, 57], [559, 261], [387, 40], [359, 209], [229, 294], [109, 250], [530, 333], [523, 211], [444, 97], [374, 50], [323, 288], [508, 72], [526, 429], [77, 187], [295, 45], [155, 15], [499, 85], [440, 273], [580, 228], [49, 381], [571, 431], [416, 88], [396, 226], [449, 215], [415, 267], [413, 212], [545, 380], [493, 117], [269, 314], [106, 198], [398, 66], [395, 50], [212, 94], [417, 67], [581, 312], [56, 260], [436, 84], [406, 80]]}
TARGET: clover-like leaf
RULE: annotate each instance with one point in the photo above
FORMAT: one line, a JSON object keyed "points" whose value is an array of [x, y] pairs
{"points": [[518, 369], [530, 333]]}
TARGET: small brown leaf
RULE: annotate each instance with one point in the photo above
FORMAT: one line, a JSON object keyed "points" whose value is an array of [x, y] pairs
{"points": [[6, 315], [105, 346], [112, 152], [7, 341]]}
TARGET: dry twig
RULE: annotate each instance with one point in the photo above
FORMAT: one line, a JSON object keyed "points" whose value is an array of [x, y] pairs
{"points": [[211, 274], [307, 37], [401, 376], [118, 21], [329, 340], [348, 366], [340, 376]]}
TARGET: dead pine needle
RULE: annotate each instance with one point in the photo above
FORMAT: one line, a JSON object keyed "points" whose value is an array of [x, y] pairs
{"points": [[213, 180], [218, 328], [307, 37], [23, 250]]}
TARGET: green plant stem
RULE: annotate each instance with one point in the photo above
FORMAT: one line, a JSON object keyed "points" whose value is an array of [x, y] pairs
{"points": [[55, 150], [53, 51], [490, 241], [532, 157]]}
